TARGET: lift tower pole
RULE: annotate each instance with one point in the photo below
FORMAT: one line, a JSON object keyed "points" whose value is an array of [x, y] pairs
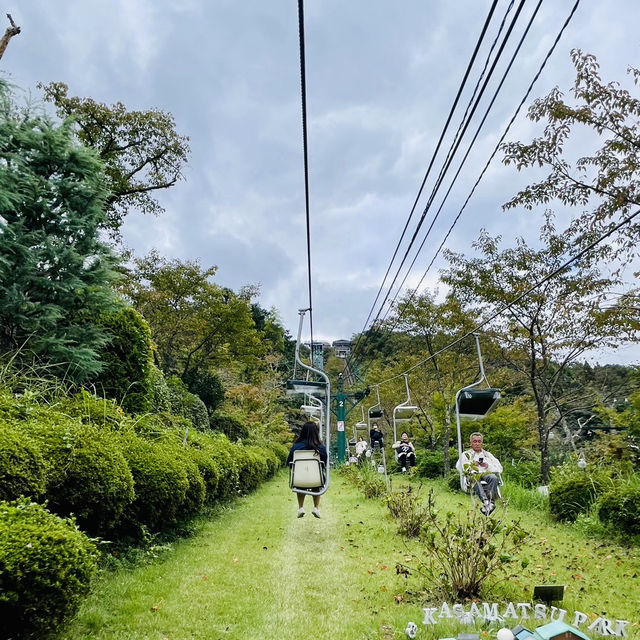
{"points": [[342, 405]]}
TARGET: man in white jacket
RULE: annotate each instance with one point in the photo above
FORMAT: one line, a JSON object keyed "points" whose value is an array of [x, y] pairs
{"points": [[480, 463]]}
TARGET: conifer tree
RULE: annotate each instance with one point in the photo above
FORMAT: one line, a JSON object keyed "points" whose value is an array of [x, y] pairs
{"points": [[55, 272]]}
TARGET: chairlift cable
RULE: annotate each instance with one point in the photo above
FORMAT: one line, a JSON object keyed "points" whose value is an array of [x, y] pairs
{"points": [[456, 145], [491, 157], [303, 94], [517, 299], [444, 130]]}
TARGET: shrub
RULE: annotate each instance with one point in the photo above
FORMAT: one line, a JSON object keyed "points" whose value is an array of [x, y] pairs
{"points": [[207, 386], [90, 409], [187, 404], [620, 506], [91, 478], [525, 474], [46, 565], [126, 359], [281, 452], [160, 482], [159, 396], [453, 480], [431, 463], [252, 467], [573, 491], [230, 426], [367, 479], [409, 513], [21, 465], [463, 552]]}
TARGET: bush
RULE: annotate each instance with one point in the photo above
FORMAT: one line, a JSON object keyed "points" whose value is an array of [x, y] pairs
{"points": [[409, 513], [90, 409], [231, 427], [159, 396], [21, 465], [160, 481], [463, 552], [367, 479], [207, 386], [524, 474], [572, 491], [252, 466], [187, 404], [126, 359], [453, 480], [431, 463], [92, 480], [46, 565], [620, 506]]}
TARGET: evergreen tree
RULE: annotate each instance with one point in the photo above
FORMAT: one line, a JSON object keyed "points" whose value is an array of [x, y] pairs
{"points": [[55, 273]]}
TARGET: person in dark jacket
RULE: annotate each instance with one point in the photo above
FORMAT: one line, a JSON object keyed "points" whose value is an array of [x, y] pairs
{"points": [[309, 439], [376, 437]]}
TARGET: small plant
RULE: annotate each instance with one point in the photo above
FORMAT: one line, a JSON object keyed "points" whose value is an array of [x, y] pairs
{"points": [[462, 553], [405, 506], [620, 506]]}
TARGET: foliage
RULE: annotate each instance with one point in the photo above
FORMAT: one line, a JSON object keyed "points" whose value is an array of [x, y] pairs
{"points": [[620, 506], [543, 333], [430, 464], [90, 409], [141, 150], [196, 325], [232, 427], [55, 272], [159, 395], [21, 465], [88, 475], [161, 484], [605, 185], [572, 490], [464, 552], [367, 479], [207, 386], [526, 474], [127, 359], [406, 508], [46, 565], [186, 404]]}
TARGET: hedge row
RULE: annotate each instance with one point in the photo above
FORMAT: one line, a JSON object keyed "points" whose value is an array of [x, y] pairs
{"points": [[99, 473]]}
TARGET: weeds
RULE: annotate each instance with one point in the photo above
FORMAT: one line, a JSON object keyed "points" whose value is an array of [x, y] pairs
{"points": [[405, 506]]}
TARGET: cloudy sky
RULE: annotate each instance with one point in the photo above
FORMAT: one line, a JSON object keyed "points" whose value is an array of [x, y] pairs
{"points": [[381, 77]]}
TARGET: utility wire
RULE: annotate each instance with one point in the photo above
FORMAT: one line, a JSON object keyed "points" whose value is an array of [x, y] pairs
{"points": [[424, 180], [486, 166], [517, 299], [475, 137], [303, 93], [452, 150], [455, 146]]}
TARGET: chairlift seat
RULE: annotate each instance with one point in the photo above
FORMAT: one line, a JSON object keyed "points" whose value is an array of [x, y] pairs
{"points": [[306, 470], [296, 387], [404, 414], [312, 409], [475, 404], [375, 414]]}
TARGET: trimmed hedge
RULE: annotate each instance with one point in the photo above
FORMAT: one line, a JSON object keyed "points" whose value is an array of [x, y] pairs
{"points": [[160, 481], [46, 565], [21, 465], [620, 506], [187, 404], [230, 426]]}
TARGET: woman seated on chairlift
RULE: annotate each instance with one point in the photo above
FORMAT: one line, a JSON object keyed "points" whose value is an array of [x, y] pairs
{"points": [[309, 438], [376, 437], [405, 451]]}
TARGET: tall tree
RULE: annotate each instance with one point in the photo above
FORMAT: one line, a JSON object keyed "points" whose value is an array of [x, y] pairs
{"points": [[141, 150], [544, 332], [604, 184], [55, 273], [196, 324], [11, 31]]}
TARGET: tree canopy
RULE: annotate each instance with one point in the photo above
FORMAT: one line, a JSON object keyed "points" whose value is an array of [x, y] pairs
{"points": [[141, 150]]}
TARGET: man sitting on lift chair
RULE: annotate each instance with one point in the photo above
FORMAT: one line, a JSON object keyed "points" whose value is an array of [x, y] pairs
{"points": [[479, 462]]}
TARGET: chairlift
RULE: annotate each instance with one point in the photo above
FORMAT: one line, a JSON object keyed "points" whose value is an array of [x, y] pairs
{"points": [[361, 427], [376, 411], [308, 474], [404, 411], [474, 404]]}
